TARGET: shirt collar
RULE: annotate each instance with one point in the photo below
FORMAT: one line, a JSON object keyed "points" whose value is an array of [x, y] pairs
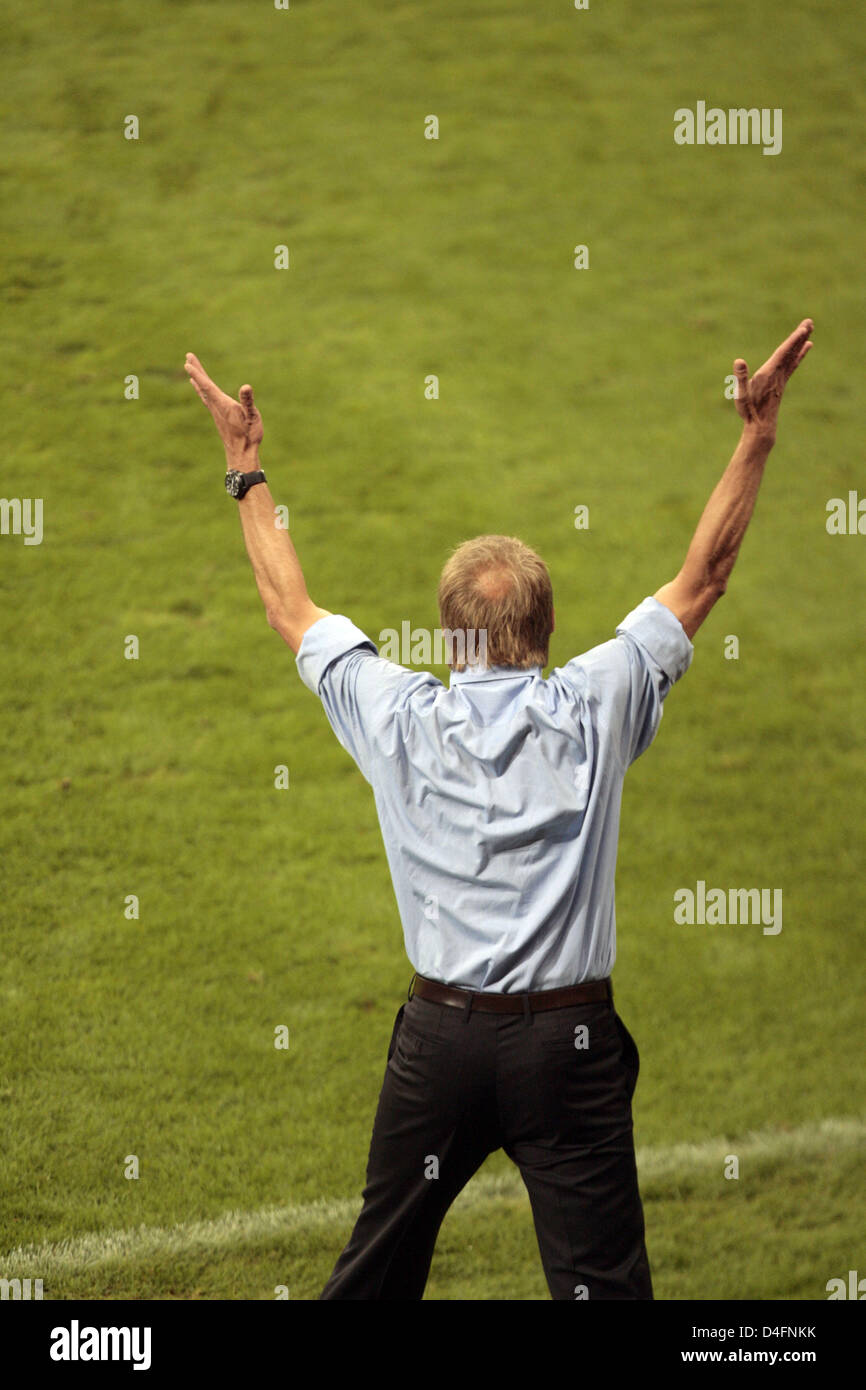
{"points": [[494, 673]]}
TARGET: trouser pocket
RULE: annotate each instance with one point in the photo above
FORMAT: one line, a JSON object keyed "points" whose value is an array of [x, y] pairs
{"points": [[630, 1055], [395, 1030]]}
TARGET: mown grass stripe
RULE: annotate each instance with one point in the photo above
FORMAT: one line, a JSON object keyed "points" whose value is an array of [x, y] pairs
{"points": [[236, 1227]]}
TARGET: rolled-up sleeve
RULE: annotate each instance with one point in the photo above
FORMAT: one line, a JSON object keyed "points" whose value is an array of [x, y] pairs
{"points": [[628, 678], [359, 689], [662, 635], [328, 661], [323, 642], [659, 653]]}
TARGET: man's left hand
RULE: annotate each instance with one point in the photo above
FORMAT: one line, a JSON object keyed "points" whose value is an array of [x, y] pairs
{"points": [[238, 422]]}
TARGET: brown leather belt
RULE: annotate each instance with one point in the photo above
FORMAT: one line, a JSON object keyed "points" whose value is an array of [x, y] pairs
{"points": [[510, 1003]]}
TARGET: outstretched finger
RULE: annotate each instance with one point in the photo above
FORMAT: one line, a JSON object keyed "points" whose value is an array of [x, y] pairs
{"points": [[247, 402], [196, 371], [801, 354], [786, 353], [199, 390]]}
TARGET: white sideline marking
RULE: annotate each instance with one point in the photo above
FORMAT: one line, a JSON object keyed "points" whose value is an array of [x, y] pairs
{"points": [[236, 1227]]}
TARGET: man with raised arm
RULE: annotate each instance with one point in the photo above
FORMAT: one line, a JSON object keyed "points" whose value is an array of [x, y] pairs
{"points": [[498, 799]]}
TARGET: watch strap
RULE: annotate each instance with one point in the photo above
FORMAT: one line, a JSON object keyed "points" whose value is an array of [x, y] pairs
{"points": [[250, 480]]}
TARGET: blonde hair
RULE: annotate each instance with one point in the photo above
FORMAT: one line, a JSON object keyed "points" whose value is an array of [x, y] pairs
{"points": [[498, 585]]}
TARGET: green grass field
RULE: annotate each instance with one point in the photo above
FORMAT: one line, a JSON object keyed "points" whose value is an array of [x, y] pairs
{"points": [[558, 387]]}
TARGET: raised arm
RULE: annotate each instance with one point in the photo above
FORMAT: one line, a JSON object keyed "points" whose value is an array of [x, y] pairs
{"points": [[276, 567], [716, 542]]}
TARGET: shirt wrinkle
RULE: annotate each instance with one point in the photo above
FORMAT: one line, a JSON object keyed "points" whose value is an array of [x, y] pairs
{"points": [[499, 795]]}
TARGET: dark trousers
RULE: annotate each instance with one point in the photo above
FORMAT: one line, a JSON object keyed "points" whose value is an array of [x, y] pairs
{"points": [[554, 1090]]}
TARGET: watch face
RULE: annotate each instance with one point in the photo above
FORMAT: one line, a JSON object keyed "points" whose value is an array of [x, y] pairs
{"points": [[234, 482]]}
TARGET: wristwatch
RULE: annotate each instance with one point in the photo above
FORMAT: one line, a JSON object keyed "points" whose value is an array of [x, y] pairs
{"points": [[238, 484]]}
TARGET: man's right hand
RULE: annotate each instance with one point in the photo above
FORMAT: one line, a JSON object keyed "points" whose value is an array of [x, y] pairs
{"points": [[716, 542], [758, 399]]}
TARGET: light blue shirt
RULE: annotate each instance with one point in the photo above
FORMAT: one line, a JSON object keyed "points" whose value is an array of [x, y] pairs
{"points": [[499, 796]]}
